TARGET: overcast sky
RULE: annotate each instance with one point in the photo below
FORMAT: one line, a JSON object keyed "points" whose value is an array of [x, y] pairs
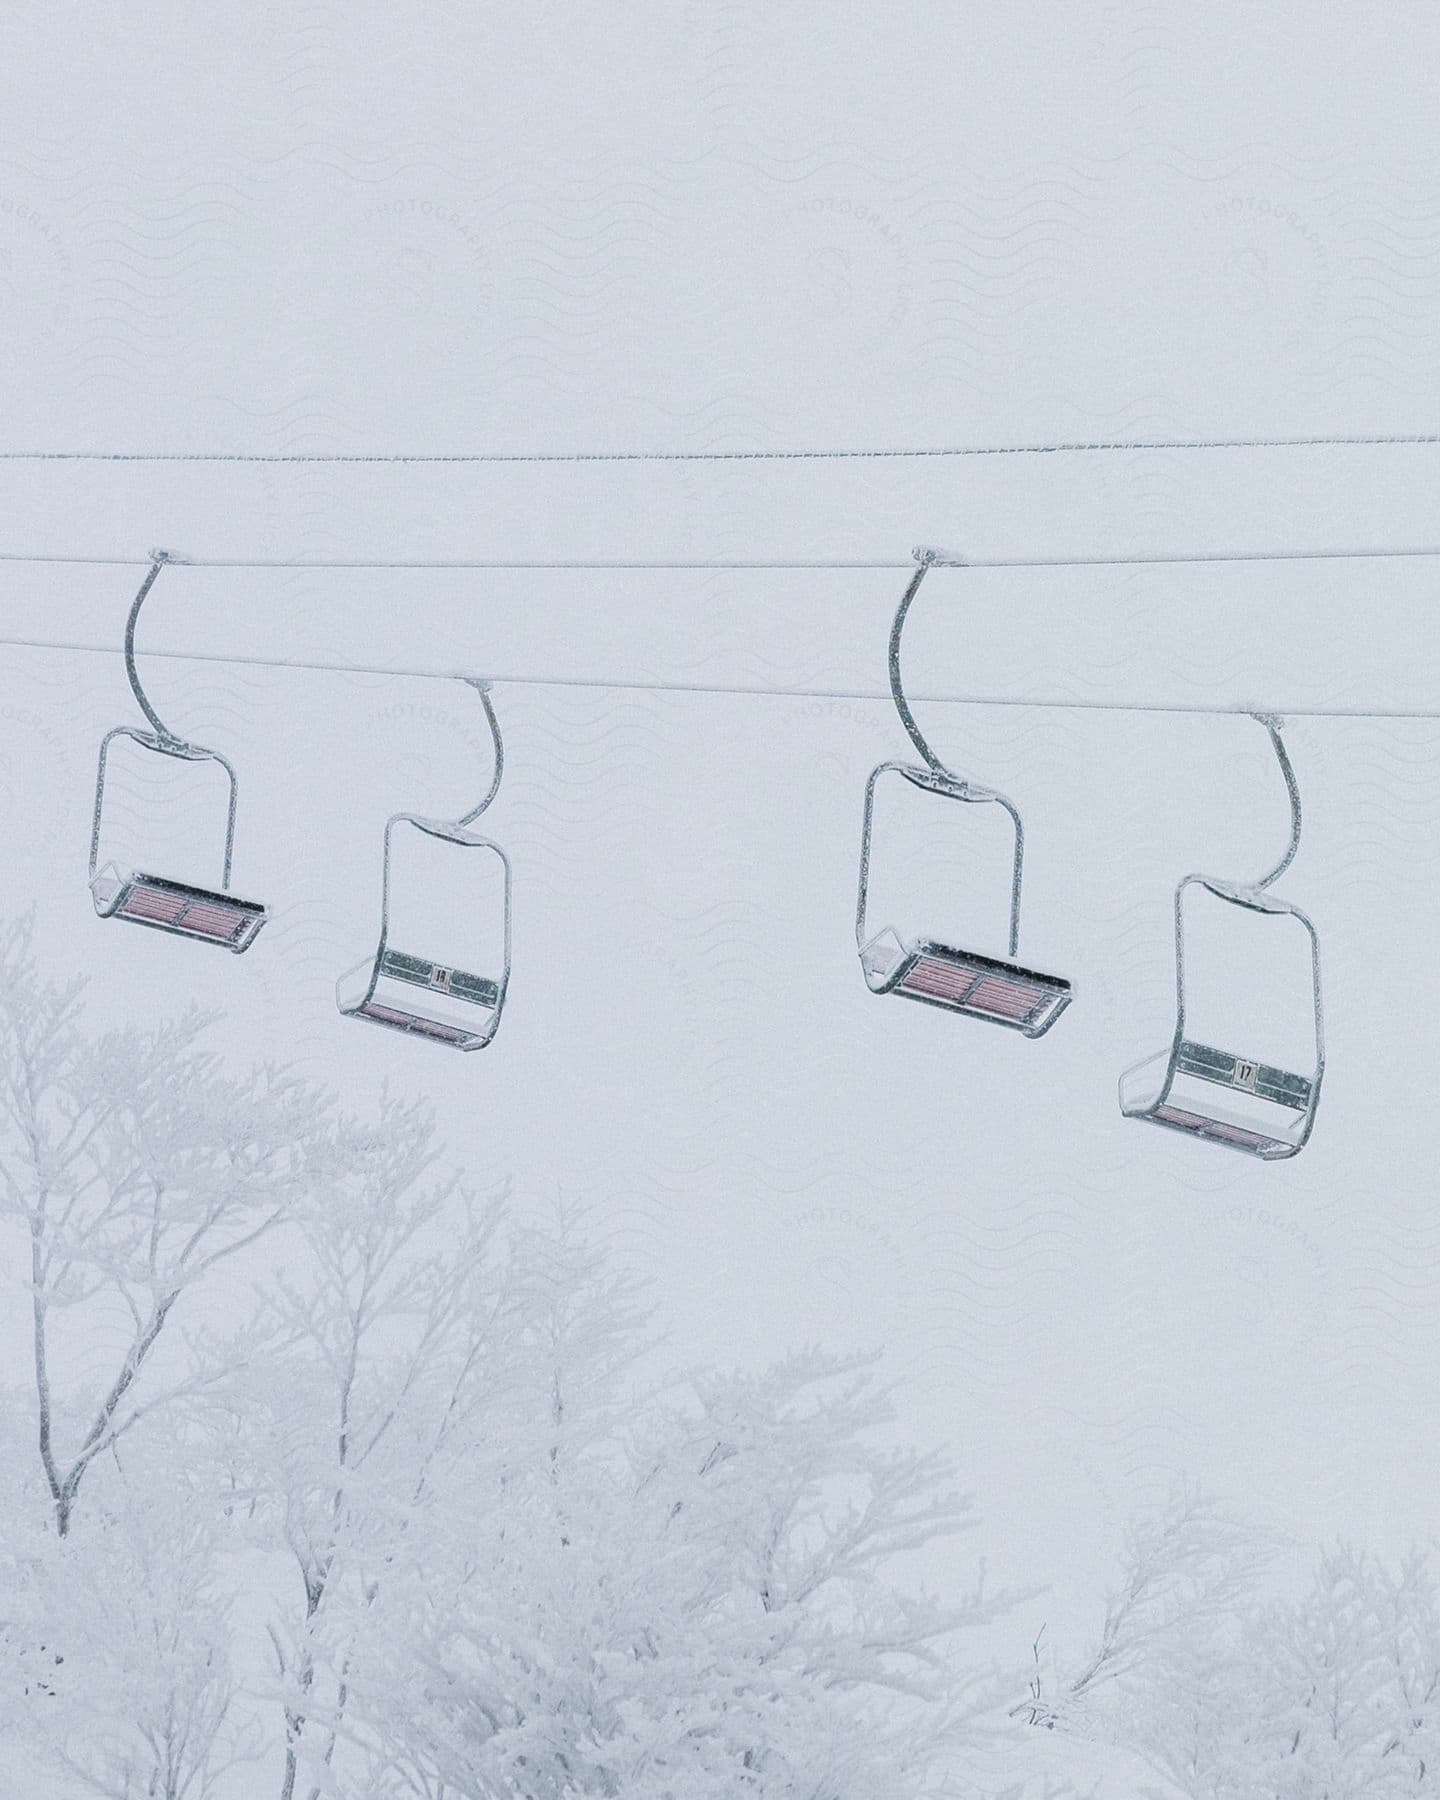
{"points": [[737, 227]]}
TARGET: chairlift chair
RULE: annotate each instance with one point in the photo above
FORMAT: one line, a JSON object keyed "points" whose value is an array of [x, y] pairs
{"points": [[210, 915], [929, 969], [1216, 1094], [417, 994]]}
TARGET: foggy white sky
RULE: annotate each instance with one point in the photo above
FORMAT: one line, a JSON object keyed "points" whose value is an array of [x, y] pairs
{"points": [[307, 228]]}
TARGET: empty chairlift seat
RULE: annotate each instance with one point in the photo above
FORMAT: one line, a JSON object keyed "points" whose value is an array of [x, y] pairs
{"points": [[455, 1008], [1214, 1092], [177, 906], [965, 982], [1227, 1099], [209, 915], [1001, 990], [927, 968], [413, 993]]}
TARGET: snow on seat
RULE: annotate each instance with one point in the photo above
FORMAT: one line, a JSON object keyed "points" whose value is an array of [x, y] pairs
{"points": [[387, 1015], [1223, 1099], [178, 907], [1221, 1133], [431, 1000], [963, 981]]}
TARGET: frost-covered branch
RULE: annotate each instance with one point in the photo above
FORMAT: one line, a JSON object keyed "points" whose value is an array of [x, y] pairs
{"points": [[136, 1165]]}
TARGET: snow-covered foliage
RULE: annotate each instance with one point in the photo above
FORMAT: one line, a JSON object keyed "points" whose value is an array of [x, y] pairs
{"points": [[697, 1609], [403, 1509], [517, 1572], [122, 1641], [1232, 1687], [135, 1165]]}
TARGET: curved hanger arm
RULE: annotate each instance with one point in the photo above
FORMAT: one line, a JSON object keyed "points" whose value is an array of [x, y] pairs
{"points": [[897, 686], [1274, 725], [962, 789], [482, 688], [167, 737]]}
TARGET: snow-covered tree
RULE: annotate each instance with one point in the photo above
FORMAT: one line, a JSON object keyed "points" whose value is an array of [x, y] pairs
{"points": [[1352, 1682], [121, 1649], [1186, 1571], [357, 1378], [1233, 1688], [135, 1165], [426, 1457], [689, 1595], [519, 1570]]}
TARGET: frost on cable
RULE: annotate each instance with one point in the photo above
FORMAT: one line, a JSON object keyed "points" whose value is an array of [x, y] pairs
{"points": [[416, 994], [1218, 1094], [211, 915], [926, 968]]}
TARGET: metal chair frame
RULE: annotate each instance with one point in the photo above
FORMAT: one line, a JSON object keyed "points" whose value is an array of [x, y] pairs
{"points": [[455, 983], [926, 969], [1184, 1057], [183, 906]]}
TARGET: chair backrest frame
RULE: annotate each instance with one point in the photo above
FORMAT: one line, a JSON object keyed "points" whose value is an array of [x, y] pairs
{"points": [[448, 832], [950, 788], [1254, 899], [182, 752]]}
